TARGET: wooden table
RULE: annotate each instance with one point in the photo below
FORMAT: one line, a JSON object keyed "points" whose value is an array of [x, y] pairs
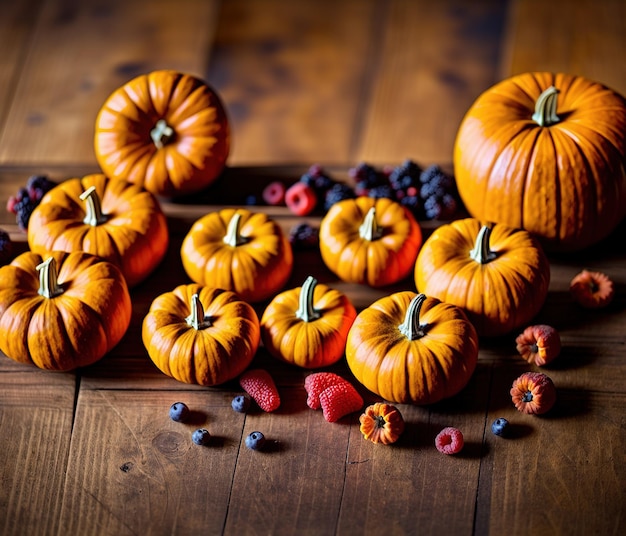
{"points": [[334, 83]]}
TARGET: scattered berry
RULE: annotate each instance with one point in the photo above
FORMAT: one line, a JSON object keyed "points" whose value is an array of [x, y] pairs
{"points": [[500, 426], [316, 383], [274, 193], [27, 198], [320, 181], [255, 440], [338, 192], [304, 236], [339, 400], [449, 440], [261, 387], [6, 247], [301, 199], [201, 437], [241, 403], [179, 412]]}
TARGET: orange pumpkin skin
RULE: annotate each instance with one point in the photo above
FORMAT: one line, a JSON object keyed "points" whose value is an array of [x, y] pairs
{"points": [[166, 131], [565, 181], [498, 275], [62, 312], [381, 423], [592, 290], [533, 393], [201, 335], [308, 326], [373, 248], [238, 250], [408, 348], [127, 227]]}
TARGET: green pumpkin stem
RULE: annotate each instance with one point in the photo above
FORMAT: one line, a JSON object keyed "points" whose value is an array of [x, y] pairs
{"points": [[306, 312], [93, 210], [482, 252], [161, 134], [49, 279], [370, 230], [233, 237], [411, 328], [196, 319], [545, 108]]}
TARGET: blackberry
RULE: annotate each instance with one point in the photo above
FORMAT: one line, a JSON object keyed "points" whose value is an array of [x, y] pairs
{"points": [[414, 204], [405, 175], [428, 173], [367, 177], [320, 181], [304, 236], [23, 209], [433, 208], [384, 190], [39, 185], [338, 192], [6, 247]]}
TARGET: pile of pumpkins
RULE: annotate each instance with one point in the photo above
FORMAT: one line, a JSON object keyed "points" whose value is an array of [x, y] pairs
{"points": [[540, 164]]}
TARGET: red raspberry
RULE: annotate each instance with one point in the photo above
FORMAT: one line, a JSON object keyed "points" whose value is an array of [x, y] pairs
{"points": [[261, 387], [339, 400], [449, 440], [274, 193], [300, 198], [316, 383]]}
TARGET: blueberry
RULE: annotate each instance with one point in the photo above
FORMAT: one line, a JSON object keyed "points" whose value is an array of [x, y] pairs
{"points": [[500, 426], [255, 440], [179, 411], [201, 437], [241, 403]]}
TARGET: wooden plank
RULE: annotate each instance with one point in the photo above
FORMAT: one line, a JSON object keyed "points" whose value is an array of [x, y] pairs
{"points": [[562, 473], [36, 410], [432, 61], [585, 37], [80, 53]]}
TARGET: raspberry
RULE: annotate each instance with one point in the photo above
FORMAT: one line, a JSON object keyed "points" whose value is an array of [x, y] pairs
{"points": [[240, 403], [179, 412], [274, 193], [201, 437], [261, 387], [300, 198], [500, 426], [449, 440], [316, 383], [339, 400], [304, 236], [319, 181], [255, 440]]}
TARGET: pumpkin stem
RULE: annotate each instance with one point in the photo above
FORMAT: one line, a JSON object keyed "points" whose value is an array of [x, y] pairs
{"points": [[545, 108], [93, 210], [411, 327], [196, 319], [233, 237], [49, 279], [161, 134], [481, 251], [370, 230], [306, 311]]}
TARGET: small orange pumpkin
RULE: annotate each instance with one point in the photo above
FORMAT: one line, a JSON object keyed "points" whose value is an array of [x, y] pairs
{"points": [[308, 326], [533, 393], [369, 241], [545, 152], [381, 423], [114, 219], [61, 312], [201, 335], [408, 348], [497, 274], [166, 131], [592, 290], [238, 250], [539, 345]]}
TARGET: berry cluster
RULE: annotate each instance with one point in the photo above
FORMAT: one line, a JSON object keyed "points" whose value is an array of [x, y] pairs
{"points": [[6, 247], [27, 198]]}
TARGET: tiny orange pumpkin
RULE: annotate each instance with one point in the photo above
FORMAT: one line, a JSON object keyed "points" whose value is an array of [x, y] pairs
{"points": [[539, 345], [533, 393], [308, 326], [592, 290], [382, 423]]}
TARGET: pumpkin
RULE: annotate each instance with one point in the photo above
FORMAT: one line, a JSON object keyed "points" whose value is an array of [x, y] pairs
{"points": [[61, 312], [533, 393], [545, 152], [499, 275], [381, 423], [238, 250], [114, 219], [308, 326], [539, 345], [409, 348], [200, 335], [592, 290], [166, 131], [369, 241]]}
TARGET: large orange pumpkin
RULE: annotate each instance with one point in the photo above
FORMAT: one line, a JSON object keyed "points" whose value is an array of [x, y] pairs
{"points": [[497, 274], [114, 219], [547, 153], [61, 312], [166, 131]]}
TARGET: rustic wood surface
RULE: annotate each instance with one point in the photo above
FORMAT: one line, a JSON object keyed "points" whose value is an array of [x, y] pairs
{"points": [[313, 81]]}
